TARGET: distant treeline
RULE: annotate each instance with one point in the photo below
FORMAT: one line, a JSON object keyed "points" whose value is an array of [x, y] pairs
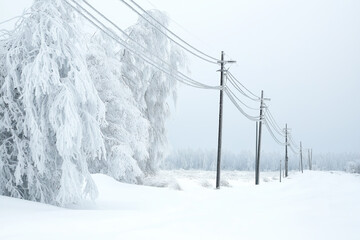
{"points": [[270, 161]]}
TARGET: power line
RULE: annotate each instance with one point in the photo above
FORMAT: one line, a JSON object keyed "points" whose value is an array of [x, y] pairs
{"points": [[10, 19], [273, 135], [118, 28], [274, 121], [192, 83], [194, 36], [269, 119], [293, 142], [238, 88], [293, 150], [184, 79], [214, 60], [232, 99], [255, 98], [183, 41], [144, 48], [257, 109]]}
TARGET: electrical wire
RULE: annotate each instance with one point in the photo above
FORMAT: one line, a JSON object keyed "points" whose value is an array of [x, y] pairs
{"points": [[194, 36], [238, 84], [144, 48], [291, 148], [255, 98], [183, 41], [273, 120], [273, 135], [238, 88], [214, 60], [257, 109], [293, 142], [118, 28], [184, 79], [268, 118], [232, 99], [272, 126], [8, 20]]}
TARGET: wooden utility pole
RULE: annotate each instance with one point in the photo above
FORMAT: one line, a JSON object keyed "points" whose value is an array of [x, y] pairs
{"points": [[301, 159], [222, 70], [220, 121], [286, 152], [256, 140], [257, 163]]}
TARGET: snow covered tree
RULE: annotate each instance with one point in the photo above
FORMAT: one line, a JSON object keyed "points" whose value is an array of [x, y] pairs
{"points": [[50, 111], [151, 87], [126, 132]]}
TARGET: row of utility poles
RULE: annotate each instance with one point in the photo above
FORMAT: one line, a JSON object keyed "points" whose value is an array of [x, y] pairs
{"points": [[301, 164], [222, 70]]}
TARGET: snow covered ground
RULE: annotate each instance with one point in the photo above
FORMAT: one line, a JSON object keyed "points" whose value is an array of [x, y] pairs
{"points": [[313, 205]]}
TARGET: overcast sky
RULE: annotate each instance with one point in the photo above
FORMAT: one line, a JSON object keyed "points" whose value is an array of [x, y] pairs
{"points": [[304, 54]]}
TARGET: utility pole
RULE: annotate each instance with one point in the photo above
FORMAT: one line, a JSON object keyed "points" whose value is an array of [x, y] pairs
{"points": [[222, 64], [309, 159], [220, 121], [301, 159], [257, 163], [256, 140], [286, 152]]}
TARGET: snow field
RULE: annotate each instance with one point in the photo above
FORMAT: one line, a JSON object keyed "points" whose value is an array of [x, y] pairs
{"points": [[313, 205]]}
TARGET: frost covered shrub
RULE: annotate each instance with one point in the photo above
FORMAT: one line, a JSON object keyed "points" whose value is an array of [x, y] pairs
{"points": [[206, 160], [150, 87], [136, 97], [353, 167], [50, 110], [54, 126], [244, 161], [126, 133]]}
